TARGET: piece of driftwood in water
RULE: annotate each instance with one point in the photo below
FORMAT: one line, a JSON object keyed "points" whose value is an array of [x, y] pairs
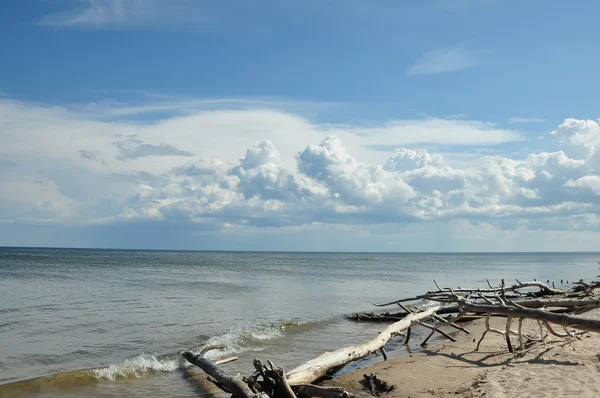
{"points": [[317, 368], [375, 385], [232, 384], [394, 316]]}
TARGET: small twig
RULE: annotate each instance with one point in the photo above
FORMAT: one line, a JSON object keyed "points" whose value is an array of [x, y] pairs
{"points": [[226, 360]]}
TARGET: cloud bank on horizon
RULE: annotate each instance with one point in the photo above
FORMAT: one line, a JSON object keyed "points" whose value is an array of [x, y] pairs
{"points": [[315, 125], [243, 169]]}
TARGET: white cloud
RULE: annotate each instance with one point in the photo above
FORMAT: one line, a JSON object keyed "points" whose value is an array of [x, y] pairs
{"points": [[234, 169], [122, 13], [446, 59], [526, 120], [432, 130], [586, 183]]}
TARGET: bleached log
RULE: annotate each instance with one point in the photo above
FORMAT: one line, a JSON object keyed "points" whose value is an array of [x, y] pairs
{"points": [[315, 369]]}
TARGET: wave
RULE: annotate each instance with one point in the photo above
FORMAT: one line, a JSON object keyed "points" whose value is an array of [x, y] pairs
{"points": [[239, 339], [139, 366], [242, 338]]}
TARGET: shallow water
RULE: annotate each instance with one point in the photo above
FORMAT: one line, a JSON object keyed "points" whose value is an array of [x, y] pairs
{"points": [[108, 323]]}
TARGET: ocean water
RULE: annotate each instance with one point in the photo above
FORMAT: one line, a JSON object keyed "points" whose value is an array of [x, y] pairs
{"points": [[112, 323]]}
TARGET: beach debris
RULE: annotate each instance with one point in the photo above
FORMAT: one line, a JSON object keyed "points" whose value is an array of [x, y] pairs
{"points": [[234, 385], [270, 382], [551, 308], [541, 305], [312, 390], [319, 367], [375, 385]]}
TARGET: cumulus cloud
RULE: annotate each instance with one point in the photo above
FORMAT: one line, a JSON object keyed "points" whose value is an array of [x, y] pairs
{"points": [[580, 140], [411, 186], [238, 169]]}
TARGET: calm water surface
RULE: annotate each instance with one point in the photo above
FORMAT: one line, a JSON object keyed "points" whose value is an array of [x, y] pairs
{"points": [[108, 323]]}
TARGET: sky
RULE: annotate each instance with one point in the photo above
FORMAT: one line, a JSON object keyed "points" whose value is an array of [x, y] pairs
{"points": [[314, 125]]}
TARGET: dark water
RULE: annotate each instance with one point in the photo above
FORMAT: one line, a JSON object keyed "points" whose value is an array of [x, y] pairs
{"points": [[105, 323]]}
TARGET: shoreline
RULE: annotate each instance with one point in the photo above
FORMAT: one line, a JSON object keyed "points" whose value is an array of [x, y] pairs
{"points": [[561, 367]]}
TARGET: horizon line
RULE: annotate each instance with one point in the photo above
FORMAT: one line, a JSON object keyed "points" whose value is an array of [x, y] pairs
{"points": [[294, 251]]}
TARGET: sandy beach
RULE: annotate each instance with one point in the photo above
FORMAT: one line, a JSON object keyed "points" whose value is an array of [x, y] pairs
{"points": [[560, 368]]}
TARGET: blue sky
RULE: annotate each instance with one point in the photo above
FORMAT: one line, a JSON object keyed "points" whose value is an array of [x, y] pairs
{"points": [[313, 125]]}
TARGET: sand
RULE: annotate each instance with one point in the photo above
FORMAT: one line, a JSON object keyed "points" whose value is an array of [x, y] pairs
{"points": [[561, 368]]}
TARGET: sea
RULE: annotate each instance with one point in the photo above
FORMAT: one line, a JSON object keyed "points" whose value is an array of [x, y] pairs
{"points": [[113, 323]]}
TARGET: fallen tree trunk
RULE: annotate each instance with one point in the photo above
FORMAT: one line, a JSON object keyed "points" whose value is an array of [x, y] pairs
{"points": [[592, 325], [395, 316], [558, 305], [315, 369]]}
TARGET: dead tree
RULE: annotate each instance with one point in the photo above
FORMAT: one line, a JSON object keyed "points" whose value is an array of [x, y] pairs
{"points": [[495, 302]]}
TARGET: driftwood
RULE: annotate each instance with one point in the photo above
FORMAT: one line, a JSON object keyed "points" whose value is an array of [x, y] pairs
{"points": [[543, 290], [556, 305], [315, 369], [269, 381], [534, 300], [541, 306], [231, 384], [394, 316], [376, 386]]}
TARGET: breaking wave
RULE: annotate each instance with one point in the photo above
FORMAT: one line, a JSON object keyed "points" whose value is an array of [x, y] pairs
{"points": [[138, 367], [239, 339]]}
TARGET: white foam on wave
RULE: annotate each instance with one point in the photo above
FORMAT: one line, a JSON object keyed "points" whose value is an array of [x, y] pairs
{"points": [[139, 366], [240, 339], [237, 340]]}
